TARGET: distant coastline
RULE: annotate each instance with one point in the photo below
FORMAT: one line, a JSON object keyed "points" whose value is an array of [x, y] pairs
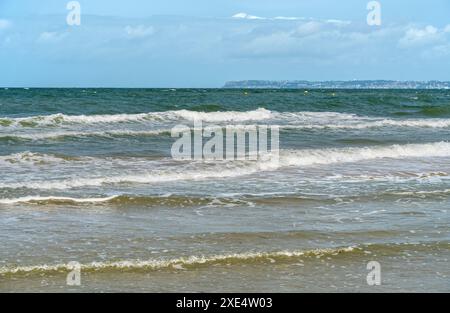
{"points": [[353, 84]]}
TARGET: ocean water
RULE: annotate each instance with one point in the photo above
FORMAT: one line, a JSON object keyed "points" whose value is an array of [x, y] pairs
{"points": [[87, 176]]}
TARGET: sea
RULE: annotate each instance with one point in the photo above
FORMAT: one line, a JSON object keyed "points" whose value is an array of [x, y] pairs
{"points": [[92, 200]]}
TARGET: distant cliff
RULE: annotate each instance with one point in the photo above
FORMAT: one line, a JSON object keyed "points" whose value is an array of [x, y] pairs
{"points": [[353, 84]]}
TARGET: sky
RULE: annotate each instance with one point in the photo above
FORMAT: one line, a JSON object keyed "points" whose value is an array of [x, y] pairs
{"points": [[204, 43]]}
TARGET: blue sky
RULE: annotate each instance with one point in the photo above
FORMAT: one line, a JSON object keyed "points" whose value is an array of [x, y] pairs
{"points": [[203, 43]]}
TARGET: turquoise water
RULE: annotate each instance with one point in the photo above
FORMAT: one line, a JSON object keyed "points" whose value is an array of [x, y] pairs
{"points": [[87, 176]]}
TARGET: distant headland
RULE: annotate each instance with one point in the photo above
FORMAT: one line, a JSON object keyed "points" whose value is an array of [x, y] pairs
{"points": [[351, 84]]}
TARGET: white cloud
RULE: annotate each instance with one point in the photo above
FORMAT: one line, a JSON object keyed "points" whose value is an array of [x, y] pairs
{"points": [[338, 22], [418, 36], [289, 18], [308, 28], [438, 51], [51, 36], [4, 24], [283, 46], [447, 29], [247, 16], [303, 40], [140, 31], [312, 40]]}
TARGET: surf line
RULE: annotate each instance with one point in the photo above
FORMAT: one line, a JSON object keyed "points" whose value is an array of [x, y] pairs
{"points": [[230, 142]]}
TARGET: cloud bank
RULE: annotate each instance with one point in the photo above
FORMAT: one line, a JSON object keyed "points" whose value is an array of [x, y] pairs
{"points": [[191, 51]]}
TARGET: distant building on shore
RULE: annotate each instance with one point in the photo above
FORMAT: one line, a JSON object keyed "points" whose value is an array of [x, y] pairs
{"points": [[353, 84]]}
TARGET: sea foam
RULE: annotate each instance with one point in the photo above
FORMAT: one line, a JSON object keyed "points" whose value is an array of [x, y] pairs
{"points": [[176, 263], [162, 171], [259, 114]]}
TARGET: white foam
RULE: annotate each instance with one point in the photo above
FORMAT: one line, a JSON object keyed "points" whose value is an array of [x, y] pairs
{"points": [[78, 134], [229, 116], [309, 157], [144, 178], [60, 118], [422, 192], [55, 119], [412, 123], [300, 120], [174, 263], [32, 199], [29, 158], [164, 172]]}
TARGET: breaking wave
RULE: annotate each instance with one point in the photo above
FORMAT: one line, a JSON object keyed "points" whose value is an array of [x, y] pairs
{"points": [[58, 119], [32, 158], [81, 134], [192, 262], [58, 200], [306, 119], [178, 263], [228, 169], [346, 155], [169, 200]]}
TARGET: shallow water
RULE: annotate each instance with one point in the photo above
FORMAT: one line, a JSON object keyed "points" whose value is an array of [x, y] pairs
{"points": [[87, 176]]}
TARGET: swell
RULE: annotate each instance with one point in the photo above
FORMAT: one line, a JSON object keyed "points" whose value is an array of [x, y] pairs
{"points": [[192, 262], [55, 200], [84, 134], [163, 200], [269, 162], [422, 193], [310, 157], [176, 263], [62, 119], [235, 200], [412, 123], [18, 137], [435, 111], [28, 157], [302, 119]]}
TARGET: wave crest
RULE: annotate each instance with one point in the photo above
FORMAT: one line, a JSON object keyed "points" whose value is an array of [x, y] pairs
{"points": [[177, 263], [58, 119], [229, 169], [303, 119]]}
